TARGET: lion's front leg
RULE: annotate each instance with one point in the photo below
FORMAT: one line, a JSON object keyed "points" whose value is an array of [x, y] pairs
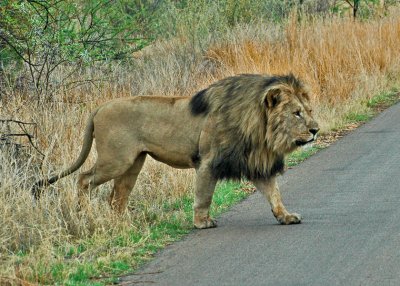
{"points": [[271, 191], [204, 190]]}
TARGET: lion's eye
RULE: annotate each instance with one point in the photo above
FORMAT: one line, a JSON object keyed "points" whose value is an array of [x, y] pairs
{"points": [[297, 114]]}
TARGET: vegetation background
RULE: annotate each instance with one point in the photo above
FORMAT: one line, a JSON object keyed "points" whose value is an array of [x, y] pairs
{"points": [[61, 58]]}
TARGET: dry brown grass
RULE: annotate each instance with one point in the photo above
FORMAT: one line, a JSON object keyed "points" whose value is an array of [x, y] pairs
{"points": [[344, 62]]}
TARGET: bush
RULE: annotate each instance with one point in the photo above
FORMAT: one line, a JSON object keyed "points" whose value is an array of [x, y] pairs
{"points": [[41, 36]]}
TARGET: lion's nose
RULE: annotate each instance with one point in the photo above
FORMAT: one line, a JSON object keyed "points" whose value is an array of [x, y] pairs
{"points": [[314, 131]]}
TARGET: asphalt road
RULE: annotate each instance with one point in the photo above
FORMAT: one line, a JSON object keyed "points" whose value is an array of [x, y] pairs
{"points": [[348, 195]]}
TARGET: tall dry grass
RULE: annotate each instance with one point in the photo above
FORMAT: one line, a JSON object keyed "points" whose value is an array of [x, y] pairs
{"points": [[344, 62]]}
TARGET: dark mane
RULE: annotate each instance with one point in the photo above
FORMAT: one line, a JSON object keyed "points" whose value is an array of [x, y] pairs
{"points": [[244, 146], [199, 104]]}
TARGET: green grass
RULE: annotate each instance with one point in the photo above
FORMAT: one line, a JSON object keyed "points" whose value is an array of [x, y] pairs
{"points": [[300, 155], [358, 117], [373, 106], [385, 98], [227, 194]]}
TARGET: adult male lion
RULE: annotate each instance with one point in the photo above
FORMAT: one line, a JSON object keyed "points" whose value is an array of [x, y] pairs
{"points": [[239, 127]]}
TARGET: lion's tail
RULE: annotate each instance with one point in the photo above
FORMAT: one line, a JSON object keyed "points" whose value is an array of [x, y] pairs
{"points": [[86, 146]]}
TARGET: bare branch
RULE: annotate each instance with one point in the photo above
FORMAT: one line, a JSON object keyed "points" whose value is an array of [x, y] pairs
{"points": [[349, 2]]}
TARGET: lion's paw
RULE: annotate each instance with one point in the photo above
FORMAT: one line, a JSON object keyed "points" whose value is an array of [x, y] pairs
{"points": [[206, 223], [293, 218]]}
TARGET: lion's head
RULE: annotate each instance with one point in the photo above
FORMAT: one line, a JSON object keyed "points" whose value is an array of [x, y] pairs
{"points": [[258, 120], [291, 123]]}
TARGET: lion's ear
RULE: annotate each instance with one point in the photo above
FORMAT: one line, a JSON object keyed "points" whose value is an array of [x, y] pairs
{"points": [[272, 98]]}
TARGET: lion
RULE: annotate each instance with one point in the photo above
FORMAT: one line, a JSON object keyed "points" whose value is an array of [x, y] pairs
{"points": [[240, 127]]}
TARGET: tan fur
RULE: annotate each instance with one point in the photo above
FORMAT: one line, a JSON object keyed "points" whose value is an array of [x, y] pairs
{"points": [[241, 126]]}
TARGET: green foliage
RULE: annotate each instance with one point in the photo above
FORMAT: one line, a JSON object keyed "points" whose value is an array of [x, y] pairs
{"points": [[71, 30], [47, 34], [205, 17], [357, 8]]}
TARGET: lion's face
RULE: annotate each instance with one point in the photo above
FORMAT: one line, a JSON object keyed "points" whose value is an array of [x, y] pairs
{"points": [[292, 122]]}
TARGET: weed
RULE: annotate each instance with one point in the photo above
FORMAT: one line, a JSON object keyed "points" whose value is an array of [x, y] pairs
{"points": [[302, 154]]}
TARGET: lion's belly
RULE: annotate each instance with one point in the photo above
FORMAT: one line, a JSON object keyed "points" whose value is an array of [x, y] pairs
{"points": [[174, 160], [175, 151]]}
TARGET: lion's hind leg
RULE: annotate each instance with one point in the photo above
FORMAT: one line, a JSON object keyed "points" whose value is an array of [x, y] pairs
{"points": [[271, 191], [102, 172], [124, 184]]}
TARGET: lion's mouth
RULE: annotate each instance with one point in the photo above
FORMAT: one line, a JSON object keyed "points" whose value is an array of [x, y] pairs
{"points": [[304, 142]]}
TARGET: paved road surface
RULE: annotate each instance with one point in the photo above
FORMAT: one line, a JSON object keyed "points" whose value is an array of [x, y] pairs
{"points": [[349, 196]]}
